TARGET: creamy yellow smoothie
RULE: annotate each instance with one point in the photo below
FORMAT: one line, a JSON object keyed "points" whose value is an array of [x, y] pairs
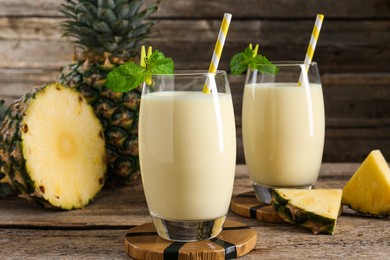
{"points": [[187, 143], [283, 132]]}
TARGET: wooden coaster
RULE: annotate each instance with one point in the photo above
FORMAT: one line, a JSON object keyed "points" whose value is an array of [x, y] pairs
{"points": [[247, 205], [235, 240]]}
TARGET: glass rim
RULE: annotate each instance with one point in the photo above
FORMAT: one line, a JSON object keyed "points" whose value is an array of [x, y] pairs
{"points": [[290, 63], [192, 73]]}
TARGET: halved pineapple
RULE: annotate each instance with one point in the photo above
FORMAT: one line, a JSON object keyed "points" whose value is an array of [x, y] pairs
{"points": [[368, 191], [53, 149], [316, 209]]}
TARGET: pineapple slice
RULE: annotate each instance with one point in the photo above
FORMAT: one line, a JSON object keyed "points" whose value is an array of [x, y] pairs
{"points": [[53, 149], [368, 191], [316, 210]]}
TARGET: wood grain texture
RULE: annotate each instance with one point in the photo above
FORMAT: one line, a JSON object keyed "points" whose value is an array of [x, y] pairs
{"points": [[98, 231], [241, 9], [235, 240], [112, 208], [37, 43], [247, 205], [357, 109], [353, 53]]}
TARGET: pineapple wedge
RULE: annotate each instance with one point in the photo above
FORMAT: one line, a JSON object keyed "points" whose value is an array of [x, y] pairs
{"points": [[368, 191], [52, 148], [316, 209]]}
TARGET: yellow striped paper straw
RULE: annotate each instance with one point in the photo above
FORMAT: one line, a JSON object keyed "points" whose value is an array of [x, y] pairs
{"points": [[313, 41], [314, 38], [218, 47]]}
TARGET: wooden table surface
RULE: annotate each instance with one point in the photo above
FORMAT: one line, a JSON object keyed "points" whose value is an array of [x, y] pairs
{"points": [[98, 231]]}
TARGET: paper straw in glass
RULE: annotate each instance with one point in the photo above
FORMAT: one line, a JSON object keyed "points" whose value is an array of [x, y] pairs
{"points": [[218, 47], [313, 41]]}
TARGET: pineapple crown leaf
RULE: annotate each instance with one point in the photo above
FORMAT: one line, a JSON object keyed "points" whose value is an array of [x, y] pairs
{"points": [[67, 13], [138, 18], [115, 26], [133, 5], [107, 3]]}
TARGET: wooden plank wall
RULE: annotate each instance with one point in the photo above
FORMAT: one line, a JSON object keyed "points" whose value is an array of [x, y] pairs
{"points": [[353, 54]]}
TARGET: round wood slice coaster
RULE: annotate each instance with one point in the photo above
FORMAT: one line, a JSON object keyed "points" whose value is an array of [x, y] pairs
{"points": [[247, 205], [235, 240]]}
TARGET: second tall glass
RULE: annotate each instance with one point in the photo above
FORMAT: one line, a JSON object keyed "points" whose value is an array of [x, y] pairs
{"points": [[283, 125]]}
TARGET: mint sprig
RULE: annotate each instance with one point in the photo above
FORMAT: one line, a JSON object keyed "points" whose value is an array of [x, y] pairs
{"points": [[129, 76], [249, 58]]}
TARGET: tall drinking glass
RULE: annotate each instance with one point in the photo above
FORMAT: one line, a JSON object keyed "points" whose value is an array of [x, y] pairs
{"points": [[187, 145], [283, 126]]}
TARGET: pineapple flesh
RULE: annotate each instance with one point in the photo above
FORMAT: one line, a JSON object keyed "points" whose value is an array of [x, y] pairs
{"points": [[368, 191], [316, 209], [109, 33], [53, 150]]}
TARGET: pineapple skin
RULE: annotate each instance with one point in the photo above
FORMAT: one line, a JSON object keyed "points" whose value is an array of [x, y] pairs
{"points": [[13, 171], [118, 112], [13, 168], [5, 187], [302, 217], [109, 33]]}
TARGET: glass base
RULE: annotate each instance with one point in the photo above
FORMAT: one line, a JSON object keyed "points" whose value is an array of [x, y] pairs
{"points": [[264, 193], [188, 231]]}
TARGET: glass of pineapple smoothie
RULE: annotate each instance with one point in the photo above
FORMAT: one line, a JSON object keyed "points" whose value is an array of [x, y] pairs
{"points": [[283, 126], [187, 145]]}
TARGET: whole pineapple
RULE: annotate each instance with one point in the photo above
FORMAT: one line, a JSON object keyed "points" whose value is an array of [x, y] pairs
{"points": [[109, 33]]}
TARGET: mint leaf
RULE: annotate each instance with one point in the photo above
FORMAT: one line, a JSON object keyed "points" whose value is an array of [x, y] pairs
{"points": [[159, 64], [265, 66], [241, 61], [130, 75], [126, 77], [238, 65], [247, 59]]}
